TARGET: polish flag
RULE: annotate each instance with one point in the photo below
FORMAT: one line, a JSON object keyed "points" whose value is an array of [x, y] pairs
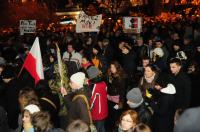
{"points": [[33, 62]]}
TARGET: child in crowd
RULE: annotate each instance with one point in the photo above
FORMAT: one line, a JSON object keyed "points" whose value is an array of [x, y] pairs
{"points": [[27, 114]]}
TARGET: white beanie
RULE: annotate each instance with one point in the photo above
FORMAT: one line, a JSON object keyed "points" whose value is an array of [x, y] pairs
{"points": [[159, 52], [32, 108], [78, 78]]}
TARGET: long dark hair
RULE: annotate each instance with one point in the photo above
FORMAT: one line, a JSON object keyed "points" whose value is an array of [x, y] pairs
{"points": [[119, 70]]}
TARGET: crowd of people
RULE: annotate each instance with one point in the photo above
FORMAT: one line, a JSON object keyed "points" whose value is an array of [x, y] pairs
{"points": [[111, 81]]}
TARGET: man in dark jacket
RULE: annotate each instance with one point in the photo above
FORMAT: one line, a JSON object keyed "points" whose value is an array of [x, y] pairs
{"points": [[182, 84], [129, 64], [10, 97], [76, 104]]}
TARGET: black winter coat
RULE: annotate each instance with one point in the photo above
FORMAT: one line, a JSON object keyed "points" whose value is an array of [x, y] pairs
{"points": [[129, 62], [164, 111], [11, 104], [183, 89], [116, 86], [145, 115]]}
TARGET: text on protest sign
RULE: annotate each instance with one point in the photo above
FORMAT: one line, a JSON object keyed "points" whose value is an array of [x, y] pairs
{"points": [[27, 26], [87, 23]]}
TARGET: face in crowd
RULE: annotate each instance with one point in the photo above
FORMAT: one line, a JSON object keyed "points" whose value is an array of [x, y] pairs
{"points": [[26, 117], [113, 69], [70, 48], [145, 62], [175, 68], [148, 72], [129, 120]]}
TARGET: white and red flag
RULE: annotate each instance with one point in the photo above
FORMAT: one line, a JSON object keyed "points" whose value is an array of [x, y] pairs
{"points": [[33, 62]]}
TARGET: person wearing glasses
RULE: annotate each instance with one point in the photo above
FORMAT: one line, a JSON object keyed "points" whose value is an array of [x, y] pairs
{"points": [[127, 122]]}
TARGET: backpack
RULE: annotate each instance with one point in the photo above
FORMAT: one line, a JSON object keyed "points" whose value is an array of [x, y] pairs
{"points": [[92, 127]]}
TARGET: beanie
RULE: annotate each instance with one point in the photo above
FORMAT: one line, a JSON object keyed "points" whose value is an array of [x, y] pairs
{"points": [[127, 46], [134, 95], [32, 108], [189, 121], [8, 72], [92, 72], [78, 78], [159, 52]]}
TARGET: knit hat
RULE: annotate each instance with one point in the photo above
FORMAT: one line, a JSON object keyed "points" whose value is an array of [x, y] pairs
{"points": [[8, 72], [178, 43], [134, 95], [189, 121], [78, 78], [159, 52], [32, 108], [127, 46], [158, 39], [92, 72]]}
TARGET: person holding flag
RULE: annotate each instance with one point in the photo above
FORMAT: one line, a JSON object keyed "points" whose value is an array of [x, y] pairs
{"points": [[60, 81], [33, 62]]}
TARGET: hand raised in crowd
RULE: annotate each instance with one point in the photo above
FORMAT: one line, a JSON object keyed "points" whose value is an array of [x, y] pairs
{"points": [[157, 87], [63, 91]]}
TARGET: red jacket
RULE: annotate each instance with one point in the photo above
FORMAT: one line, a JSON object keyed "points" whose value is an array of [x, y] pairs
{"points": [[98, 101]]}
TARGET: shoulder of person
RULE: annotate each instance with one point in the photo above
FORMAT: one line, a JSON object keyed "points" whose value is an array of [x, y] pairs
{"points": [[78, 54], [56, 130]]}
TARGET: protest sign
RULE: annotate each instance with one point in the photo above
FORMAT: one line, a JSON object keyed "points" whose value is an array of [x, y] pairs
{"points": [[27, 26], [87, 23], [132, 24]]}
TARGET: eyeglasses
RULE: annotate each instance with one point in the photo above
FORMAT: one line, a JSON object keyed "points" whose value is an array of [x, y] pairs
{"points": [[129, 121]]}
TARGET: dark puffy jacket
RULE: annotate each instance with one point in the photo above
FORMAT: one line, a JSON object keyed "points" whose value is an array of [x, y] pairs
{"points": [[145, 114]]}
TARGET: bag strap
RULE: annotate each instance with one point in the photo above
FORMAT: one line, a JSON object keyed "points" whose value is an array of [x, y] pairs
{"points": [[50, 102], [86, 101]]}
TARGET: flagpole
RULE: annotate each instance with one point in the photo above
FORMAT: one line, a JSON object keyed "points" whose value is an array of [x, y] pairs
{"points": [[59, 65], [20, 71]]}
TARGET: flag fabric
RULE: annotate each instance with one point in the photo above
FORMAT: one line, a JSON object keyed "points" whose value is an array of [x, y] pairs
{"points": [[33, 62], [87, 23], [59, 65]]}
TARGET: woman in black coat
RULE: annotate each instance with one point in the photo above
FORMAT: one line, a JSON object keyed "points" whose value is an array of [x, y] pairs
{"points": [[116, 92]]}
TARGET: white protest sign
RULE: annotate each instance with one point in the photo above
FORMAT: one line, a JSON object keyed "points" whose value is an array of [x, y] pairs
{"points": [[27, 26], [87, 23], [132, 24]]}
